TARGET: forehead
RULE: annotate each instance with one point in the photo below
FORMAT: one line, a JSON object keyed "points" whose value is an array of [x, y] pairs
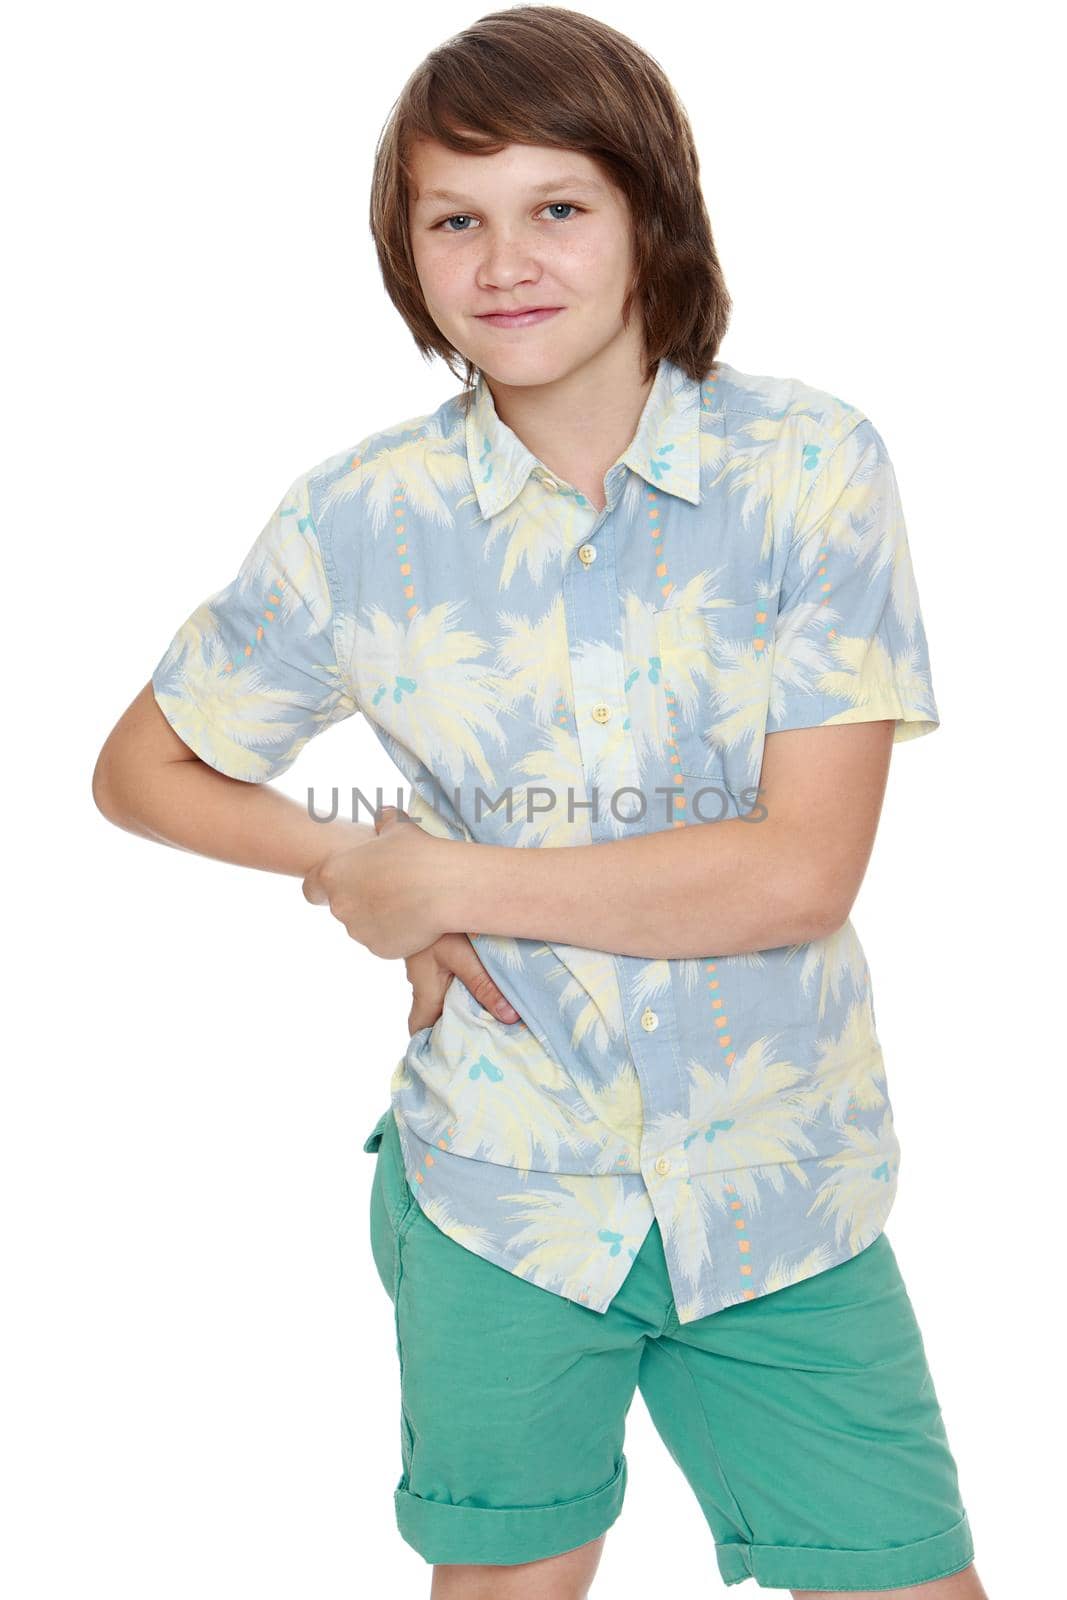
{"points": [[441, 174]]}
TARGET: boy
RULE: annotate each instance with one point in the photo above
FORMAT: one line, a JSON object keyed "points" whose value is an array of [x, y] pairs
{"points": [[613, 592]]}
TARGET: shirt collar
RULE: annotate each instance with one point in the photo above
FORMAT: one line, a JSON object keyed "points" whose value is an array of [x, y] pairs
{"points": [[665, 448]]}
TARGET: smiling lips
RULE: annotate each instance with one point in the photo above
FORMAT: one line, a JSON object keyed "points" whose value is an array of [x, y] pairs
{"points": [[520, 319]]}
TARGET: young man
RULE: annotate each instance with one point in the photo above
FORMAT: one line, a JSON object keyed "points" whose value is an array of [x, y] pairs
{"points": [[623, 602]]}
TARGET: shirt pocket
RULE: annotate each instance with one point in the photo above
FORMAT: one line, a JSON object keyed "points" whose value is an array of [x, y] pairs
{"points": [[715, 671]]}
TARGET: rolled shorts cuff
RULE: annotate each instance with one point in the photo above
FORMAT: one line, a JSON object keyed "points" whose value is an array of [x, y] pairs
{"points": [[780, 1566], [505, 1535]]}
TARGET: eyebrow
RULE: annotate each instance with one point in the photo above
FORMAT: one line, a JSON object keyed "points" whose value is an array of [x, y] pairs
{"points": [[565, 180]]}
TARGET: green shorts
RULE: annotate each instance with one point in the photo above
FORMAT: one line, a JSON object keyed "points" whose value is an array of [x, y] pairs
{"points": [[805, 1421]]}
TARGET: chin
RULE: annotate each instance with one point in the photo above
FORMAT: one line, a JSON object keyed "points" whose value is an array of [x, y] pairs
{"points": [[521, 372], [528, 369]]}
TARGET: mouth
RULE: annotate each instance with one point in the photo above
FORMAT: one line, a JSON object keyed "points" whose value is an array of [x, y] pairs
{"points": [[520, 319]]}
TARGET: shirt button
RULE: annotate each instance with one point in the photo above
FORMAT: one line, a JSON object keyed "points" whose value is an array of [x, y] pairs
{"points": [[649, 1019], [587, 554], [663, 1166], [600, 712]]}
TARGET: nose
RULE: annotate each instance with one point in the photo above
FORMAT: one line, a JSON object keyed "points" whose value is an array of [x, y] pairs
{"points": [[506, 260]]}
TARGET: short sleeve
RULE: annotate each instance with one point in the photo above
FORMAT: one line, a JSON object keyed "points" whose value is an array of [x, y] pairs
{"points": [[849, 643], [253, 673]]}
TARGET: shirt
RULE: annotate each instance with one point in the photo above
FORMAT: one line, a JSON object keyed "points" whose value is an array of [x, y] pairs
{"points": [[749, 573]]}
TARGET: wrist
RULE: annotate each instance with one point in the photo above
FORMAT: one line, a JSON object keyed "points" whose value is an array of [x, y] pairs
{"points": [[460, 884], [331, 838], [492, 888]]}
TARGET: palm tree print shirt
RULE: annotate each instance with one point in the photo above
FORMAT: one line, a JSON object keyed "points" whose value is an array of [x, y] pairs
{"points": [[542, 673]]}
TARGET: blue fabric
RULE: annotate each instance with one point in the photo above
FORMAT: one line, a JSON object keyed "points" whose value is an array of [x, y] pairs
{"points": [[515, 650]]}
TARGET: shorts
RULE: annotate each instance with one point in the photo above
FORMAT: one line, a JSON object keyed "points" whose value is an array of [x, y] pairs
{"points": [[805, 1421]]}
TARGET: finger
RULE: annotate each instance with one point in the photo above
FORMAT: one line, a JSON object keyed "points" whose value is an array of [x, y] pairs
{"points": [[428, 987], [391, 816], [423, 1014], [314, 893], [470, 971]]}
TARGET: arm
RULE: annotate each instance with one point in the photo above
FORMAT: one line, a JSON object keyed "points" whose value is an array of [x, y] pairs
{"points": [[149, 782], [722, 887], [719, 887], [246, 681]]}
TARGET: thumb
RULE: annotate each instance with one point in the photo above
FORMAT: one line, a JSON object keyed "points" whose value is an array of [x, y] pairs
{"points": [[384, 816]]}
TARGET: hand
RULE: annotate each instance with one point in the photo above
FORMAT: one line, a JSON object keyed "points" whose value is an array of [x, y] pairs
{"points": [[431, 971], [388, 891]]}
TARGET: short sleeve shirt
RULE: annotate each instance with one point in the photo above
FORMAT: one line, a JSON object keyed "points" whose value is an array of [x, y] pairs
{"points": [[544, 674]]}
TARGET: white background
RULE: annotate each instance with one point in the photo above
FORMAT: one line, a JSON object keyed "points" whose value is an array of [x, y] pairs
{"points": [[200, 1393]]}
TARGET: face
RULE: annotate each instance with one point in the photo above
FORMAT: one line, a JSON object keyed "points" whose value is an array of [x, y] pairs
{"points": [[529, 227]]}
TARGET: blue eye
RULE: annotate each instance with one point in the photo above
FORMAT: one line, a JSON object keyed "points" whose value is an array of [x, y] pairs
{"points": [[463, 216]]}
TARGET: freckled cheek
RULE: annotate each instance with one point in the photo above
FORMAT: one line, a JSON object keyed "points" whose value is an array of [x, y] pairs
{"points": [[592, 261], [445, 283]]}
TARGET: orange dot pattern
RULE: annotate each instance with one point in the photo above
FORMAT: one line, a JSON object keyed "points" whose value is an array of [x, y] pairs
{"points": [[674, 759], [275, 599], [400, 530], [743, 1244], [442, 1144], [720, 1021]]}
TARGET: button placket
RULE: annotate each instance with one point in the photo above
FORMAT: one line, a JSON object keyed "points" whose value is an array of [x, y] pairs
{"points": [[590, 608], [662, 1161], [649, 1029], [592, 613]]}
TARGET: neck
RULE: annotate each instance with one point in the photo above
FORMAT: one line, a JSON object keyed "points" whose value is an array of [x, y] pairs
{"points": [[580, 425]]}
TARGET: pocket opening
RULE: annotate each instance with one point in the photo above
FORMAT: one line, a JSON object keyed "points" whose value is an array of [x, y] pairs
{"points": [[401, 1228], [373, 1140]]}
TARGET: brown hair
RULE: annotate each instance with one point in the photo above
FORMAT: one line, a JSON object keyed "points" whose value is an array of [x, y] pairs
{"points": [[546, 75]]}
